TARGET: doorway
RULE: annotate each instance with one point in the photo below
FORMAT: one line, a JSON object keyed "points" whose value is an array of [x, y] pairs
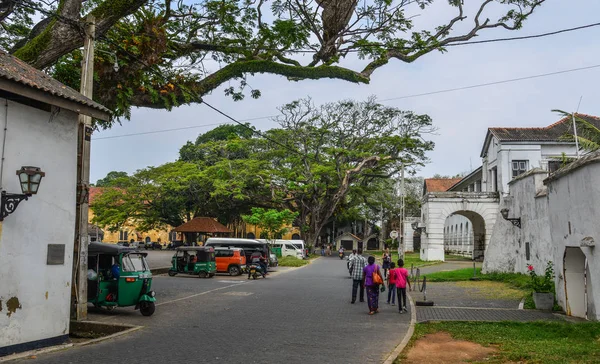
{"points": [[575, 273]]}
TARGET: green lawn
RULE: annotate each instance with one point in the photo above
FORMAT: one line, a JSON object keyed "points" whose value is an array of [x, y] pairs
{"points": [[409, 258], [515, 280], [536, 342], [290, 261]]}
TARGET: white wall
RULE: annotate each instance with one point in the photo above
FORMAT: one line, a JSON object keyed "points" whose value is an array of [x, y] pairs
{"points": [[43, 291], [507, 249], [458, 235], [573, 206], [409, 233], [479, 208]]}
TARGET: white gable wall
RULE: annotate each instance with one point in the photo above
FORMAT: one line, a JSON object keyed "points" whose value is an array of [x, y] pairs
{"points": [[43, 291]]}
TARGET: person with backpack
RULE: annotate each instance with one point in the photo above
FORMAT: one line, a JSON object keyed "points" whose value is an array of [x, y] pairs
{"points": [[387, 259], [372, 280]]}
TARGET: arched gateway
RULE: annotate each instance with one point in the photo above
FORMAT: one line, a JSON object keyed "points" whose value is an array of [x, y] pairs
{"points": [[480, 208]]}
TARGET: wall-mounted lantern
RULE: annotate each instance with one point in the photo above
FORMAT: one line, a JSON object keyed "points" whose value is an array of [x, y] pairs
{"points": [[415, 226], [516, 221], [29, 179]]}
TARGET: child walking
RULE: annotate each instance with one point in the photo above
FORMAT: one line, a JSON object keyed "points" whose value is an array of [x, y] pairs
{"points": [[392, 284], [401, 282]]}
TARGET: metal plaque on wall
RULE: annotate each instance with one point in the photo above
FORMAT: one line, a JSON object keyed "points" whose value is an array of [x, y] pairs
{"points": [[56, 254]]}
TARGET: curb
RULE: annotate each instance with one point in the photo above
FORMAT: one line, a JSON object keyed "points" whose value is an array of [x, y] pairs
{"points": [[28, 354], [161, 270], [411, 329]]}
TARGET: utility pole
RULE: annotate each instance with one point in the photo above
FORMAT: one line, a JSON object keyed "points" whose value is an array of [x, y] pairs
{"points": [[80, 251], [402, 207]]}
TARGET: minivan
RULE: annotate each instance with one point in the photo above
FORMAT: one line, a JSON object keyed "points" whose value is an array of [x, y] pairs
{"points": [[294, 248], [249, 245]]}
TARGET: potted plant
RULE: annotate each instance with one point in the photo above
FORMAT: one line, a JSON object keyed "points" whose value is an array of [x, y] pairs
{"points": [[543, 287]]}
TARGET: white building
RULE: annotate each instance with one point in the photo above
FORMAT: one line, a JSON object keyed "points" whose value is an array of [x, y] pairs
{"points": [[39, 127], [506, 153]]}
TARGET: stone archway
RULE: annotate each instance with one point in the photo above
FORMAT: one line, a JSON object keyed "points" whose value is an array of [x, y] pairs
{"points": [[480, 210], [576, 275], [464, 235]]}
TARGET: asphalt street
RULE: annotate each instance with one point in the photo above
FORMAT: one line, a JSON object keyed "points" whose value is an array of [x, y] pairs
{"points": [[293, 316]]}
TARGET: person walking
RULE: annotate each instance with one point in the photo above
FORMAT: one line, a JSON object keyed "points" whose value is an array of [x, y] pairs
{"points": [[357, 264], [392, 284], [372, 287], [387, 259], [401, 282]]}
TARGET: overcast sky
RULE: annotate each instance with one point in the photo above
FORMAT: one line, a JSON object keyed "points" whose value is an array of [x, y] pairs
{"points": [[461, 116]]}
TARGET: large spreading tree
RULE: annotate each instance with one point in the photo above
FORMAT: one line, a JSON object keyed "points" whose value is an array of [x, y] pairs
{"points": [[321, 153], [174, 52]]}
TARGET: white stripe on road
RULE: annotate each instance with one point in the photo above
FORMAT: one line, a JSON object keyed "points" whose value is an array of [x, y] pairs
{"points": [[198, 294]]}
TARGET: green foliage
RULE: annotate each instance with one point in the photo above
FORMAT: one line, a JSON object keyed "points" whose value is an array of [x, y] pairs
{"points": [[167, 49], [544, 283], [345, 152], [533, 342], [114, 179], [271, 221], [588, 134], [515, 280]]}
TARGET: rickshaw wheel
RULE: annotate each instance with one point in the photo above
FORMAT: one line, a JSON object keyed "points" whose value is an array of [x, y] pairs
{"points": [[110, 308], [202, 274], [172, 273], [147, 308]]}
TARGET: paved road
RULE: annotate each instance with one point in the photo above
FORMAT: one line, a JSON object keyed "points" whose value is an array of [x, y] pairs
{"points": [[293, 316]]}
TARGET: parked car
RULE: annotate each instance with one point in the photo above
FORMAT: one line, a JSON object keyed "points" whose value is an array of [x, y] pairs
{"points": [[134, 244], [148, 245], [230, 260], [123, 243], [273, 262]]}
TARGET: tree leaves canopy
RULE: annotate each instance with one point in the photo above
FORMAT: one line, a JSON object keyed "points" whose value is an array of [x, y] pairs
{"points": [[173, 52]]}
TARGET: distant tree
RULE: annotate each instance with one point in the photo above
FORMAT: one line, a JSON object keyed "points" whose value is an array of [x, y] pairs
{"points": [[113, 179], [273, 223]]}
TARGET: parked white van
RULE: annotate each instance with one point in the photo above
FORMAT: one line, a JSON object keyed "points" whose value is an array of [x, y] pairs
{"points": [[294, 248]]}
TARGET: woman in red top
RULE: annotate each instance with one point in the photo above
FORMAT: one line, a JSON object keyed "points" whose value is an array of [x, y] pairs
{"points": [[392, 284]]}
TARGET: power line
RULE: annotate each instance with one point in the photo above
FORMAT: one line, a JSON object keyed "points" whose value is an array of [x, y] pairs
{"points": [[492, 83], [390, 99], [182, 128], [158, 131], [525, 36]]}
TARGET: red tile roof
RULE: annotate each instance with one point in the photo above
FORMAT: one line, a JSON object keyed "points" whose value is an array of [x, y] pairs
{"points": [[551, 132], [202, 225], [95, 192], [14, 69], [439, 184]]}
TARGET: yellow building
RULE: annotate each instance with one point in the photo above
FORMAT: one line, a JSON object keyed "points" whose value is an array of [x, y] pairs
{"points": [[130, 232]]}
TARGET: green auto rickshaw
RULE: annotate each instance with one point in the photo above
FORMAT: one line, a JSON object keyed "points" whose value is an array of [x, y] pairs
{"points": [[119, 276], [195, 260]]}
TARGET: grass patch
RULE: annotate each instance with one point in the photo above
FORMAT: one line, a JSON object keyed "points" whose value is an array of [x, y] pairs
{"points": [[533, 342], [290, 261], [452, 257], [490, 290], [409, 258], [515, 280]]}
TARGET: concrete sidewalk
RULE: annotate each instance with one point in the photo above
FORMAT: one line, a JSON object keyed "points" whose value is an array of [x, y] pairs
{"points": [[470, 301]]}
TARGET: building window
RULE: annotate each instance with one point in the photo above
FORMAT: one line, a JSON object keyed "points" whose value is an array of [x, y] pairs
{"points": [[123, 235], [478, 186], [518, 167]]}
